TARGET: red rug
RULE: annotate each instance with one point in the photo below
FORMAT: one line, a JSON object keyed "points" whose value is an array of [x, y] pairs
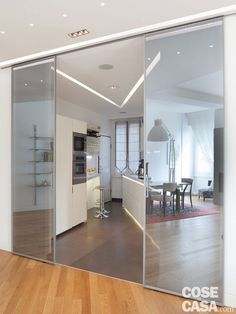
{"points": [[198, 211]]}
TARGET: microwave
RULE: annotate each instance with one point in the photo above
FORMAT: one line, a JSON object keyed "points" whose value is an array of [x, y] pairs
{"points": [[79, 142]]}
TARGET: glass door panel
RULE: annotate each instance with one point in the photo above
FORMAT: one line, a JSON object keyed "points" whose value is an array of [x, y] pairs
{"points": [[184, 123], [33, 159]]}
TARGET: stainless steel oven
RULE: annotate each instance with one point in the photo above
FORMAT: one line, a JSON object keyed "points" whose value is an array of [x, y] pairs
{"points": [[79, 158], [79, 142]]}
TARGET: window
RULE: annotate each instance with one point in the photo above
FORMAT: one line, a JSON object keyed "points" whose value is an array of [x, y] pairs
{"points": [[202, 165], [127, 143]]}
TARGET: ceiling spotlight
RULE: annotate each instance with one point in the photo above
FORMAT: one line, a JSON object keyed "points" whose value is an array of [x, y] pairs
{"points": [[64, 15], [26, 84], [211, 46], [113, 87], [106, 66], [41, 81], [178, 52], [103, 4], [149, 59], [31, 25], [2, 32], [78, 33]]}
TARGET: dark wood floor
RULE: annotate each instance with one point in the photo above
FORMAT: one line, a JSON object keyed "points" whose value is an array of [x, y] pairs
{"points": [[112, 246], [185, 252]]}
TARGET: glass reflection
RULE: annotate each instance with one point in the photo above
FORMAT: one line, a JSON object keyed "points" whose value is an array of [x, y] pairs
{"points": [[184, 151], [33, 159]]}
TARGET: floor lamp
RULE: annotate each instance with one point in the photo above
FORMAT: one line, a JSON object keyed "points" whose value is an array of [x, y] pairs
{"points": [[160, 133]]}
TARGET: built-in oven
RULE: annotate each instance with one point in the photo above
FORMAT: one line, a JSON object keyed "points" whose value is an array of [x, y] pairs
{"points": [[79, 163], [79, 142], [79, 168]]}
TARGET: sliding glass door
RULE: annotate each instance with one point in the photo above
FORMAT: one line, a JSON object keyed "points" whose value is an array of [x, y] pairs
{"points": [[184, 152], [33, 159]]}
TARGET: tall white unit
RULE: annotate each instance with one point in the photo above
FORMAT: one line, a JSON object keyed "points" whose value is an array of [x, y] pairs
{"points": [[71, 208], [79, 191]]}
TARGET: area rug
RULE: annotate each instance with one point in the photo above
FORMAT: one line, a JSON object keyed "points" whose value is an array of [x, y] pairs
{"points": [[189, 212]]}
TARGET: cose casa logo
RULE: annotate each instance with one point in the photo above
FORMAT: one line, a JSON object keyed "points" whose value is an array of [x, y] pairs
{"points": [[208, 294]]}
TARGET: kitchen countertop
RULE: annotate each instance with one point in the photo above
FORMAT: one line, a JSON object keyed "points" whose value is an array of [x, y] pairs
{"points": [[92, 176], [134, 178]]}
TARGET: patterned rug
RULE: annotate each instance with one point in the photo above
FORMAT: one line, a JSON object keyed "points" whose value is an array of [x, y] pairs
{"points": [[158, 214]]}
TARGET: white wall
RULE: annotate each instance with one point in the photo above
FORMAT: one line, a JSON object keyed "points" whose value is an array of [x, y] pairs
{"points": [[77, 112], [230, 164], [5, 159]]}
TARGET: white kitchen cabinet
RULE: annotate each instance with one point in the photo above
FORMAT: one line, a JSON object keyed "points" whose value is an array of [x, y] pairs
{"points": [[71, 204], [63, 174], [79, 203], [79, 126]]}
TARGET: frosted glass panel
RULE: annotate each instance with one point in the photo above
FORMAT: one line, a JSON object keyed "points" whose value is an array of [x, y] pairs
{"points": [[184, 152], [33, 159]]}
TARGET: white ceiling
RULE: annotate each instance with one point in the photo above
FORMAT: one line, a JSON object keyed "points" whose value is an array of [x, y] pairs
{"points": [[185, 82], [127, 58], [50, 28]]}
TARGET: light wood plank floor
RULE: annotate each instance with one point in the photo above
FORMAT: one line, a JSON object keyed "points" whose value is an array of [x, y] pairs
{"points": [[28, 286]]}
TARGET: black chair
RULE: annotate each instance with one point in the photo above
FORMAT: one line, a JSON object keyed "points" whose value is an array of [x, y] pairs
{"points": [[187, 182]]}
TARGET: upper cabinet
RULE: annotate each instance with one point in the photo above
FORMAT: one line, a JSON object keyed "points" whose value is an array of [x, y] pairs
{"points": [[79, 126]]}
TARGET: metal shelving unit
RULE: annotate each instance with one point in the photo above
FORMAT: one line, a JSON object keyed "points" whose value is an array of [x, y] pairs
{"points": [[36, 161]]}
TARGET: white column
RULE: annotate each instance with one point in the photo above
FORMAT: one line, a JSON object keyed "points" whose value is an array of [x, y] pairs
{"points": [[230, 162], [5, 159]]}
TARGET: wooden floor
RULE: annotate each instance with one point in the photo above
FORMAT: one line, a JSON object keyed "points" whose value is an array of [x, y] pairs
{"points": [[28, 286], [186, 252], [33, 233], [112, 246]]}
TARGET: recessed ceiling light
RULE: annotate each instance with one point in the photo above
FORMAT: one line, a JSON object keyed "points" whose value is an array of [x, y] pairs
{"points": [[103, 4], [178, 52], [41, 81], [2, 32], [149, 59], [78, 33], [26, 84], [106, 66], [31, 24], [211, 46], [114, 87], [64, 15]]}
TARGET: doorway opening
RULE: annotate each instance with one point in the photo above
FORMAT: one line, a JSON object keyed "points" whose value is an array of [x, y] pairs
{"points": [[100, 100]]}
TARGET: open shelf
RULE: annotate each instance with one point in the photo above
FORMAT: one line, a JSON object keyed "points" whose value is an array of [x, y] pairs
{"points": [[37, 161], [41, 138], [40, 186], [41, 149], [40, 173]]}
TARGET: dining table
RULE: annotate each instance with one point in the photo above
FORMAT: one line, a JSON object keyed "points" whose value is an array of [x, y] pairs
{"points": [[159, 186]]}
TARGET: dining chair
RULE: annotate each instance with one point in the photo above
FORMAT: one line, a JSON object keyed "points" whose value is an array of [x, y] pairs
{"points": [[155, 195], [188, 183], [169, 190]]}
